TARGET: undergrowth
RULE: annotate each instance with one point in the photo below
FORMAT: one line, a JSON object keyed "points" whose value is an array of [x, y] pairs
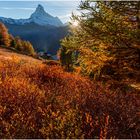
{"points": [[41, 101]]}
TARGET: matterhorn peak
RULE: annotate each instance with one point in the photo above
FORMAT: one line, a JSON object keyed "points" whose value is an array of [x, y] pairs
{"points": [[40, 12], [39, 16], [40, 7]]}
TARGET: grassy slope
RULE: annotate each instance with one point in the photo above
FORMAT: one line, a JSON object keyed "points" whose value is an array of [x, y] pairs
{"points": [[40, 101], [9, 54]]}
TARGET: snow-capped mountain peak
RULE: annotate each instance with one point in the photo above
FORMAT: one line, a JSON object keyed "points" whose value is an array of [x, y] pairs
{"points": [[39, 12], [40, 8], [40, 17]]}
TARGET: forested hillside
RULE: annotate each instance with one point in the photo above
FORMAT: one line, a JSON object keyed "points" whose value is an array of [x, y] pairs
{"points": [[43, 38], [15, 43]]}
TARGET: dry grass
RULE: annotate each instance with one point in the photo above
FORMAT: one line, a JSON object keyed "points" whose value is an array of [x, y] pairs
{"points": [[40, 101]]}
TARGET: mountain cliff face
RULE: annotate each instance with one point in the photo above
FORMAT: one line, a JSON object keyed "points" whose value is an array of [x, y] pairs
{"points": [[39, 17], [41, 29]]}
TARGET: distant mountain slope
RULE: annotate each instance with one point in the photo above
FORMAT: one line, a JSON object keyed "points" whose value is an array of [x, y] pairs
{"points": [[41, 29], [43, 38], [39, 17]]}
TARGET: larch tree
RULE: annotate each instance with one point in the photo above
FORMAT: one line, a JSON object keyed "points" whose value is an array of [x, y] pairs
{"points": [[4, 36], [28, 48], [107, 38]]}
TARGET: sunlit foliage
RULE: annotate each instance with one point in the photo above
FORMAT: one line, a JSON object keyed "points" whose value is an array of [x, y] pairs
{"points": [[8, 40], [41, 101], [106, 38], [23, 46], [4, 36]]}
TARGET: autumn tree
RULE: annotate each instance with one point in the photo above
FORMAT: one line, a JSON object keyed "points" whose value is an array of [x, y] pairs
{"points": [[23, 46], [4, 36], [107, 36], [19, 44], [28, 48], [12, 42]]}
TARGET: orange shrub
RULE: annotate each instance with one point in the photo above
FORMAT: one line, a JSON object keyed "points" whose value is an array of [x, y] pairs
{"points": [[40, 101]]}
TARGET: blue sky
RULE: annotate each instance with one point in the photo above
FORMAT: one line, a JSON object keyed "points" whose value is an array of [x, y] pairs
{"points": [[23, 9]]}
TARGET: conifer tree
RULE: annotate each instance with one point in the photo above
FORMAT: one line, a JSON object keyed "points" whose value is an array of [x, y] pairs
{"points": [[19, 44], [107, 36], [66, 57], [4, 36], [12, 42], [28, 48]]}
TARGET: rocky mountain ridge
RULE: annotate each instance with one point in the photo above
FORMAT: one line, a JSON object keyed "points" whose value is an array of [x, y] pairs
{"points": [[39, 17]]}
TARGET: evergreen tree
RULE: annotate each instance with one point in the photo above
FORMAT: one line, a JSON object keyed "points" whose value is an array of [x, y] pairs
{"points": [[66, 57]]}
